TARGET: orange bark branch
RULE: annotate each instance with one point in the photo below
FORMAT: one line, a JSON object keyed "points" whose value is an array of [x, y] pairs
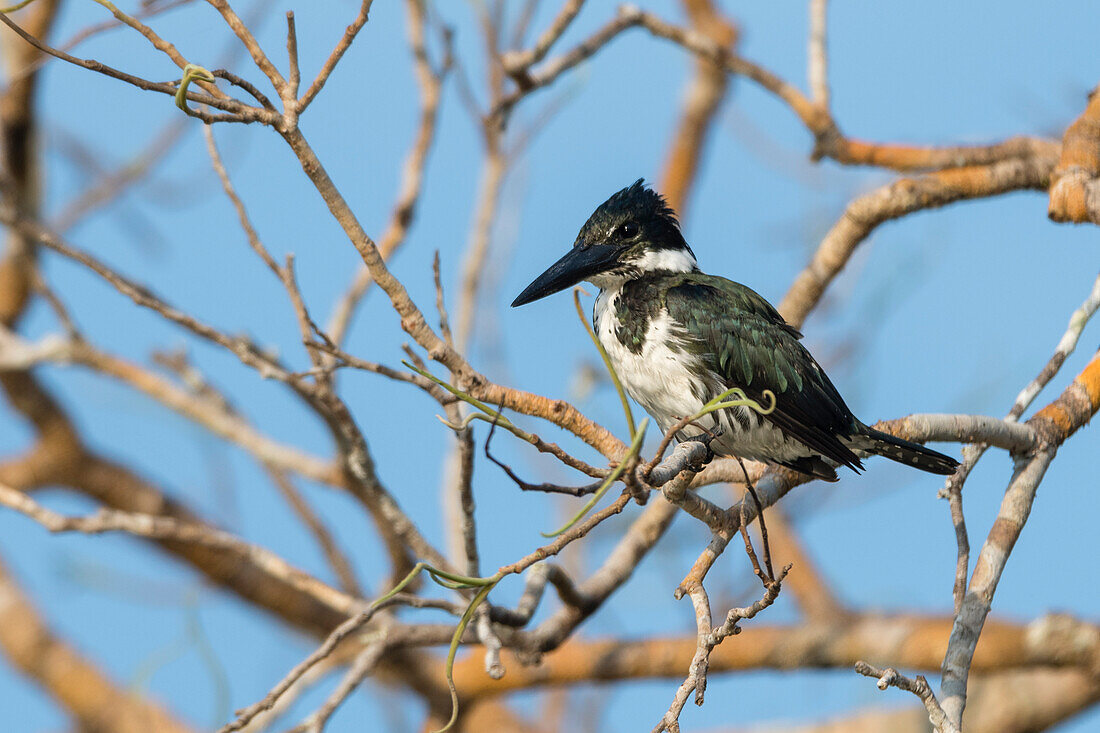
{"points": [[1014, 702], [915, 158], [829, 141], [1075, 191], [1074, 408], [910, 641], [897, 199]]}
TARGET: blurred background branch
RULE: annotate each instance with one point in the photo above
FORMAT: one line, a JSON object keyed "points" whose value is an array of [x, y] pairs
{"points": [[240, 395]]}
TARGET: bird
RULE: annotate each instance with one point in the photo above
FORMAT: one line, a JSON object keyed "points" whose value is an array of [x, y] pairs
{"points": [[678, 338]]}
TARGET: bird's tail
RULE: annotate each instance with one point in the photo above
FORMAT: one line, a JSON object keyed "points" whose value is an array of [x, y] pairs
{"points": [[903, 451]]}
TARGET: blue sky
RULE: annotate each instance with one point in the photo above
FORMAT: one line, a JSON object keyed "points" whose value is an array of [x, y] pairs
{"points": [[946, 311]]}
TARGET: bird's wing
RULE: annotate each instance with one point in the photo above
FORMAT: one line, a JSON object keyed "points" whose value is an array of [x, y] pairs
{"points": [[752, 347]]}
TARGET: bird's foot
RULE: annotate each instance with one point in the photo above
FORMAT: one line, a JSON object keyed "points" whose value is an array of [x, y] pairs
{"points": [[706, 439]]}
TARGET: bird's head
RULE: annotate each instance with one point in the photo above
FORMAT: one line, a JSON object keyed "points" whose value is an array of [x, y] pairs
{"points": [[632, 233]]}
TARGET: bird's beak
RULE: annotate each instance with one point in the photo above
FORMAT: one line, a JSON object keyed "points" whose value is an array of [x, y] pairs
{"points": [[578, 264]]}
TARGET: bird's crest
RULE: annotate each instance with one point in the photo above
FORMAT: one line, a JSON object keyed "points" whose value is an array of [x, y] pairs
{"points": [[637, 202]]}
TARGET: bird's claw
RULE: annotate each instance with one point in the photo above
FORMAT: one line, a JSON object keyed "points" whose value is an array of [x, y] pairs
{"points": [[710, 456], [706, 439]]}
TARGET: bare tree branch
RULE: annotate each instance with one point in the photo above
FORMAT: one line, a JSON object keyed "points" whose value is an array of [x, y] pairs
{"points": [[818, 53], [430, 82], [82, 689], [166, 528], [1055, 423], [891, 678], [1074, 189], [334, 58], [898, 199]]}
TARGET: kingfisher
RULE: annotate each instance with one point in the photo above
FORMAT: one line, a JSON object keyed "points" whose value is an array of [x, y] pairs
{"points": [[679, 338]]}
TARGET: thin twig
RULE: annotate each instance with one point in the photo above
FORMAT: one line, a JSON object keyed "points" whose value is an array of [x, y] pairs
{"points": [[294, 78], [440, 302], [337, 53], [166, 528], [1066, 345], [763, 527], [772, 486], [517, 62], [148, 10], [307, 327], [458, 498], [360, 668], [165, 47], [341, 632], [1055, 423], [952, 489], [244, 220], [344, 359], [236, 111], [743, 528], [263, 63], [829, 141], [535, 585], [890, 677], [244, 349], [707, 639], [246, 85], [430, 82], [524, 485], [817, 56]]}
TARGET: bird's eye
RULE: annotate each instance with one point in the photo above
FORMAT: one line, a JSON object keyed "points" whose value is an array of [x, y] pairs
{"points": [[627, 230]]}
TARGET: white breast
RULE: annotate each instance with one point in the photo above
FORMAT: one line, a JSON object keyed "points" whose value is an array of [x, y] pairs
{"points": [[666, 383], [657, 376]]}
